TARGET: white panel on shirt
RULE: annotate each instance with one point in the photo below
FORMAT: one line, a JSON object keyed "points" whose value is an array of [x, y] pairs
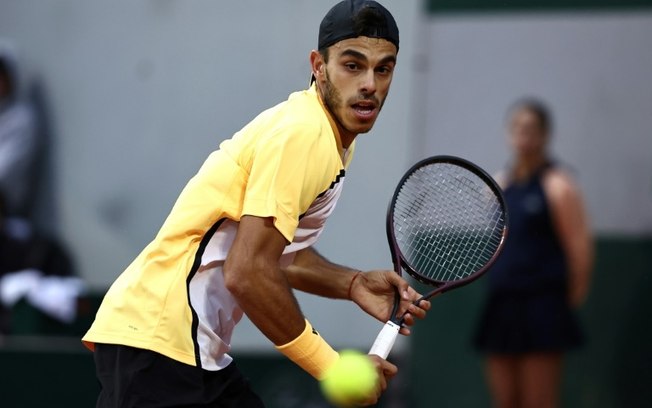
{"points": [[217, 310]]}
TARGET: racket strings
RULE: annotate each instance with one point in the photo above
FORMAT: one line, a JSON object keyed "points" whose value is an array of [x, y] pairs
{"points": [[448, 223]]}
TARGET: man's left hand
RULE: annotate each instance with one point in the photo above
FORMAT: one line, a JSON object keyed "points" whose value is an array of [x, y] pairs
{"points": [[374, 292]]}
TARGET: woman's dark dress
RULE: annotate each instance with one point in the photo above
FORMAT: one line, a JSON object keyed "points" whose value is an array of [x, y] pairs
{"points": [[527, 308]]}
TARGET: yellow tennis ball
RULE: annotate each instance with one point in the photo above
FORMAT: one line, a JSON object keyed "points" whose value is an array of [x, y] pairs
{"points": [[352, 379]]}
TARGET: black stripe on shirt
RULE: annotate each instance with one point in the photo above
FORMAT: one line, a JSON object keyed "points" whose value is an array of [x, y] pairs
{"points": [[195, 267], [334, 183], [339, 177]]}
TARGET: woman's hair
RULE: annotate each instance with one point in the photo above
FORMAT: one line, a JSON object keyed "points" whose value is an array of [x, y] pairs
{"points": [[536, 106], [6, 74]]}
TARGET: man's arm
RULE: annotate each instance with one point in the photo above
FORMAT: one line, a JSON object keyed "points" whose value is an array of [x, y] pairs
{"points": [[373, 291], [312, 273], [253, 276]]}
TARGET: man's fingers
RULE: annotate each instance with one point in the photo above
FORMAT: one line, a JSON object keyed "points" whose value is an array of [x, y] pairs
{"points": [[401, 285], [382, 382], [386, 371], [412, 312], [419, 311]]}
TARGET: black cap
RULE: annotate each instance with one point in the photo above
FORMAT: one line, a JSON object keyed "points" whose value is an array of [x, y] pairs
{"points": [[342, 22]]}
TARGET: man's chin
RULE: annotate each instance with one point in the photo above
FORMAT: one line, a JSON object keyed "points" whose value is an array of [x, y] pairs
{"points": [[362, 128]]}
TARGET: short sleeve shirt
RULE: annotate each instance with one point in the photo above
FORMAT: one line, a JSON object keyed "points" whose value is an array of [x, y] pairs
{"points": [[288, 164]]}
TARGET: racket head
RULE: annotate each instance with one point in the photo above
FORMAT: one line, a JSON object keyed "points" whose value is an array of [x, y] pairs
{"points": [[446, 222]]}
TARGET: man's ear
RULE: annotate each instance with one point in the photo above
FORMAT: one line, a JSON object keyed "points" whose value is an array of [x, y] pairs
{"points": [[317, 65]]}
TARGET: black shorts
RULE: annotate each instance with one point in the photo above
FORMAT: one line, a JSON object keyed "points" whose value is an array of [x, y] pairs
{"points": [[132, 377]]}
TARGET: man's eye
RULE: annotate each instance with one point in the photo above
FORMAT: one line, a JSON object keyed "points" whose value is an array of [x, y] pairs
{"points": [[351, 65], [384, 70]]}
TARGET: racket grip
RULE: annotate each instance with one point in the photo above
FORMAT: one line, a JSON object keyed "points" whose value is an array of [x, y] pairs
{"points": [[385, 340]]}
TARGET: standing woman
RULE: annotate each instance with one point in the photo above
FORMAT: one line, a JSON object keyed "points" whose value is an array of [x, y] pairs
{"points": [[543, 273]]}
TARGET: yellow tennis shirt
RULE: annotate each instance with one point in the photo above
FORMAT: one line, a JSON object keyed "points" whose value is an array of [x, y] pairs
{"points": [[289, 164]]}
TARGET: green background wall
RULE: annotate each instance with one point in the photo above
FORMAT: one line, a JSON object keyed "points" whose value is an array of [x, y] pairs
{"points": [[612, 370]]}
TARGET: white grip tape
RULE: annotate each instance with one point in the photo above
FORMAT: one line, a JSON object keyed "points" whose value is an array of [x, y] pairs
{"points": [[385, 340]]}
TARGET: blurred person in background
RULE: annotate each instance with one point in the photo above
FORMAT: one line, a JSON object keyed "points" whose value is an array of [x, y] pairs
{"points": [[33, 267], [543, 273], [18, 138], [38, 271]]}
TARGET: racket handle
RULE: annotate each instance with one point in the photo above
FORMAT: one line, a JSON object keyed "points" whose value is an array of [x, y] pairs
{"points": [[385, 340]]}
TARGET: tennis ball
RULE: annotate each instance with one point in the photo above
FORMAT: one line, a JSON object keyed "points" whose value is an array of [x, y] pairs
{"points": [[353, 378]]}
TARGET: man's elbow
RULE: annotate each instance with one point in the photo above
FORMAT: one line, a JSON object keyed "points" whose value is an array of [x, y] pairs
{"points": [[234, 279], [239, 279]]}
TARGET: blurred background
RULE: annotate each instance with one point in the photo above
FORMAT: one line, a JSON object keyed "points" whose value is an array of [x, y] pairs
{"points": [[129, 97]]}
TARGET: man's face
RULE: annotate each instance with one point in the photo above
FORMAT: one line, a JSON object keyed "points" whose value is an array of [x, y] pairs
{"points": [[356, 81]]}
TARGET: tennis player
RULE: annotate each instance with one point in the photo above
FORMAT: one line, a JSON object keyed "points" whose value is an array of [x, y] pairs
{"points": [[240, 237]]}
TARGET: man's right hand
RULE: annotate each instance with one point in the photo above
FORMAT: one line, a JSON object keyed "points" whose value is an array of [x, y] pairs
{"points": [[386, 371]]}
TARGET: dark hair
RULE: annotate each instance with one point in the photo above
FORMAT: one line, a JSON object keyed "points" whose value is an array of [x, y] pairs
{"points": [[5, 71], [536, 106], [369, 22], [324, 54]]}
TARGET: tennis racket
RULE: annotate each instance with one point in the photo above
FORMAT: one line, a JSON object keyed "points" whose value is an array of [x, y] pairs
{"points": [[446, 225]]}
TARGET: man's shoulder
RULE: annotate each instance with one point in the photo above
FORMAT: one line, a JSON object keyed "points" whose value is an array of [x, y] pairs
{"points": [[301, 113], [304, 105]]}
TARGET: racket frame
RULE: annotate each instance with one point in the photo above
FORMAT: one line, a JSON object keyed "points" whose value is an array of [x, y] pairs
{"points": [[387, 336], [397, 257]]}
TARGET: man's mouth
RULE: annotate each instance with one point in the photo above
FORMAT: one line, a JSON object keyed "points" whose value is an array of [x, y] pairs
{"points": [[364, 109]]}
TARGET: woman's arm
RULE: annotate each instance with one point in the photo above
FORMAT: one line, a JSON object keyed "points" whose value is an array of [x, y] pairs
{"points": [[571, 223]]}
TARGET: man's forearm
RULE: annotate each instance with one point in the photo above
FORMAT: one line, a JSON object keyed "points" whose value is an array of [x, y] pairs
{"points": [[265, 298], [252, 275], [314, 274]]}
